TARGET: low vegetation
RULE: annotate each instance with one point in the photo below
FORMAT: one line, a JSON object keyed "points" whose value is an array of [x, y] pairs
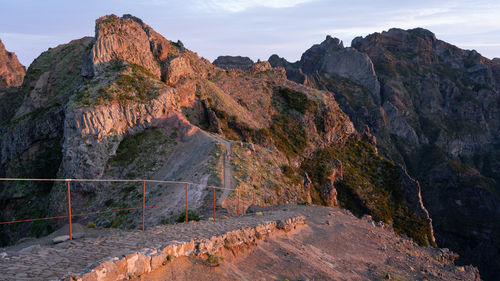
{"points": [[370, 185], [192, 216], [125, 83]]}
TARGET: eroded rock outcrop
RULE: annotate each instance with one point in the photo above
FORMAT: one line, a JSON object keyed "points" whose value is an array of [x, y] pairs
{"points": [[122, 39], [330, 59], [11, 70], [260, 66], [329, 192], [129, 39]]}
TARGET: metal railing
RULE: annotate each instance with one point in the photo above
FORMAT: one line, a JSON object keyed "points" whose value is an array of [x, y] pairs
{"points": [[70, 215]]}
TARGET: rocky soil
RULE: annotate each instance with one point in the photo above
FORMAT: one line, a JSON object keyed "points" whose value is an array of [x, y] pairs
{"points": [[334, 245]]}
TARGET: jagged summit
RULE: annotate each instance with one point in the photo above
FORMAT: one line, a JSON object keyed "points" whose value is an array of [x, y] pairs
{"points": [[129, 39], [11, 70], [123, 39], [331, 58], [333, 42]]}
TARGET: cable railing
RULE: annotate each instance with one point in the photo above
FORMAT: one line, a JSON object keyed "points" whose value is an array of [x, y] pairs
{"points": [[70, 215]]}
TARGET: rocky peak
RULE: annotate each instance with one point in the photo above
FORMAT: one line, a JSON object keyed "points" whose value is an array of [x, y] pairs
{"points": [[233, 62], [11, 70], [332, 59], [417, 44], [277, 61], [333, 42], [130, 40], [122, 39]]}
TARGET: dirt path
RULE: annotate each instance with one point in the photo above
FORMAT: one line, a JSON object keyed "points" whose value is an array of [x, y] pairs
{"points": [[228, 170], [334, 245]]}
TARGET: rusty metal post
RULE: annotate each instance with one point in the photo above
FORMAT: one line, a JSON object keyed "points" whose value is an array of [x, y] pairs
{"points": [[69, 211], [253, 203], [186, 202], [143, 202], [214, 202], [238, 211]]}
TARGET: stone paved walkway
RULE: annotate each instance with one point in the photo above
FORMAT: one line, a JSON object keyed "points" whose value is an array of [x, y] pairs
{"points": [[77, 256]]}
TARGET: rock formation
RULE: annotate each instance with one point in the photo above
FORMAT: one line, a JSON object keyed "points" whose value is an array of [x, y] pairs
{"points": [[260, 67], [331, 59], [236, 62], [122, 39], [11, 70]]}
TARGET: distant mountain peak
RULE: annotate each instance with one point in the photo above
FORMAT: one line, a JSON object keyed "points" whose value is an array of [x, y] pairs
{"points": [[11, 70]]}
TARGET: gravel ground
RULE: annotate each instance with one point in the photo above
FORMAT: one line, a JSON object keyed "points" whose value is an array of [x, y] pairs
{"points": [[333, 245], [39, 259]]}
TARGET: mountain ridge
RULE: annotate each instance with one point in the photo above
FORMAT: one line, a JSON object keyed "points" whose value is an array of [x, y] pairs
{"points": [[119, 104], [436, 113]]}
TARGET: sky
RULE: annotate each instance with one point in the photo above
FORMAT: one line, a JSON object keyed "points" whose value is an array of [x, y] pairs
{"points": [[253, 28]]}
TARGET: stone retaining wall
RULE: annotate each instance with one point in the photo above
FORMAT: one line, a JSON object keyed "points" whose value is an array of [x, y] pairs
{"points": [[135, 264]]}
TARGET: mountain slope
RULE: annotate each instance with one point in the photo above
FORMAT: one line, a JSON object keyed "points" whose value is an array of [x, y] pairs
{"points": [[434, 108], [130, 104]]}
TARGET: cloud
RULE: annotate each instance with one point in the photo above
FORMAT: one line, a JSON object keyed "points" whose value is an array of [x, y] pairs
{"points": [[242, 5]]}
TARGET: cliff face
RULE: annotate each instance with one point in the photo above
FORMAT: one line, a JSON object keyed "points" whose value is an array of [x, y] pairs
{"points": [[11, 70], [436, 113]]}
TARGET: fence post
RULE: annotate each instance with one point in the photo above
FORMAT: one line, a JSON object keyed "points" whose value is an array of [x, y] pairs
{"points": [[238, 211], [143, 202], [214, 202], [271, 206], [253, 203], [69, 211], [186, 202]]}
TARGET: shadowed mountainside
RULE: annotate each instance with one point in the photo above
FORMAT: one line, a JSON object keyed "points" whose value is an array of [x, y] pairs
{"points": [[434, 109]]}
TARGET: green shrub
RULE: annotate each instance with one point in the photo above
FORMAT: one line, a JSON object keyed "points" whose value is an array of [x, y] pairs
{"points": [[296, 100], [214, 260], [91, 225], [288, 135], [192, 216]]}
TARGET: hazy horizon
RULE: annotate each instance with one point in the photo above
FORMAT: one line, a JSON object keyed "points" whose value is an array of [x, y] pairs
{"points": [[256, 29]]}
